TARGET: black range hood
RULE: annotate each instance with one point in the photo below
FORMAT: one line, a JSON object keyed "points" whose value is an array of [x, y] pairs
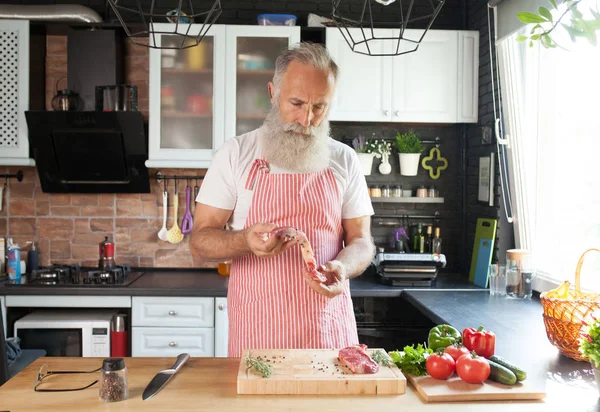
{"points": [[89, 152]]}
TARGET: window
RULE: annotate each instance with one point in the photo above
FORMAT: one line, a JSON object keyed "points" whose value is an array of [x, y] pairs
{"points": [[551, 112]]}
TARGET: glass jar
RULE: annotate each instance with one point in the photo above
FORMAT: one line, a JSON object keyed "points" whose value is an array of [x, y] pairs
{"points": [[432, 192], [385, 191], [375, 191], [113, 380], [519, 273], [397, 191], [421, 191], [224, 267]]}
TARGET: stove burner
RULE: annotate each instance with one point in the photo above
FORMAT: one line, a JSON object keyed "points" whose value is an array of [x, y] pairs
{"points": [[73, 275]]}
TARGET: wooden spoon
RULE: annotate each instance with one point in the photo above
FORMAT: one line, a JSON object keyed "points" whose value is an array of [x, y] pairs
{"points": [[174, 235]]}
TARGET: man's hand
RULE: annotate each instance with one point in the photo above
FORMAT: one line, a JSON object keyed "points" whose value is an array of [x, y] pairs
{"points": [[335, 272], [274, 245]]}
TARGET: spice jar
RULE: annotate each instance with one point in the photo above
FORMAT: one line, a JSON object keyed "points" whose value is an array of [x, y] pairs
{"points": [[397, 191], [433, 191], [421, 191], [113, 380], [385, 191], [375, 191]]}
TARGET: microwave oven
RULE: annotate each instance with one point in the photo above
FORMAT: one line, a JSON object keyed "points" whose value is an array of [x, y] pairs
{"points": [[73, 332]]}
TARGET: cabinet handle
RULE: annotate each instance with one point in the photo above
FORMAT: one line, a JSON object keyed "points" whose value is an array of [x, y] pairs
{"points": [[172, 313], [172, 344], [397, 113], [386, 112], [221, 306]]}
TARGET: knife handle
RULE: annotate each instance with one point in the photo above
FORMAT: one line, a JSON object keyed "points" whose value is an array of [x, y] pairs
{"points": [[181, 359]]}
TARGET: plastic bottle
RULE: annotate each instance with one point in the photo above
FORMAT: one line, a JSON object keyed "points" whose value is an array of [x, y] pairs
{"points": [[33, 258], [13, 266]]}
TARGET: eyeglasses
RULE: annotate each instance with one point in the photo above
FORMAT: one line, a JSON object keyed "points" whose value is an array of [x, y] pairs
{"points": [[44, 372]]}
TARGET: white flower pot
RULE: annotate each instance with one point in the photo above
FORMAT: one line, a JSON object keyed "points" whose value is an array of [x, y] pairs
{"points": [[409, 163], [366, 162]]}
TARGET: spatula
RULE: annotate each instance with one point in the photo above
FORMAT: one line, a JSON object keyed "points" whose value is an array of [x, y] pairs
{"points": [[174, 235], [187, 223], [163, 232]]}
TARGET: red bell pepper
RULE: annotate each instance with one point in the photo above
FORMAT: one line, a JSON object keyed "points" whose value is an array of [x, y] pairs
{"points": [[481, 341]]}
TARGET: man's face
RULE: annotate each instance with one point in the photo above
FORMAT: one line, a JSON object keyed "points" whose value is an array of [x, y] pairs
{"points": [[305, 93]]}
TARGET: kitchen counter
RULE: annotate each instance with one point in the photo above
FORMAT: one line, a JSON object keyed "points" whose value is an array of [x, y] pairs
{"points": [[208, 283], [210, 384]]}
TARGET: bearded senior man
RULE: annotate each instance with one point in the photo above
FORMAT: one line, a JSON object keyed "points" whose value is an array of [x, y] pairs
{"points": [[289, 172]]}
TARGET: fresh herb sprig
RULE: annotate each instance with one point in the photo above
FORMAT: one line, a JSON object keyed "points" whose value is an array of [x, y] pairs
{"points": [[259, 365], [412, 360], [382, 358]]}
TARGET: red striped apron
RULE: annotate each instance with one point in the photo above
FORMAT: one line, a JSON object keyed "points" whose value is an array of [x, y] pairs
{"points": [[270, 305]]}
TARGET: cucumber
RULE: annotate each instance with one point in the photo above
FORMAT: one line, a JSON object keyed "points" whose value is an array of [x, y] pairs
{"points": [[501, 374], [519, 373]]}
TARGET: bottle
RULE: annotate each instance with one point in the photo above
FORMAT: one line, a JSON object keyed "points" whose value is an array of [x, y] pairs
{"points": [[428, 240], [436, 242], [113, 380], [13, 266], [419, 240], [33, 258], [118, 336]]}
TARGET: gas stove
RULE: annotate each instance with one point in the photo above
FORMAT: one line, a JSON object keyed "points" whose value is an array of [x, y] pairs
{"points": [[74, 275]]}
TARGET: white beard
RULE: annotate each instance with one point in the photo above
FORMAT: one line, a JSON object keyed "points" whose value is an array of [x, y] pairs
{"points": [[302, 153]]}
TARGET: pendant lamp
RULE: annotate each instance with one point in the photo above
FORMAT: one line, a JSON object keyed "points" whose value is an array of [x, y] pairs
{"points": [[188, 25], [411, 19]]}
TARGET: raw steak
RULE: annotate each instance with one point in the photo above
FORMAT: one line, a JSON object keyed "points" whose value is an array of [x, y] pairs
{"points": [[357, 359]]}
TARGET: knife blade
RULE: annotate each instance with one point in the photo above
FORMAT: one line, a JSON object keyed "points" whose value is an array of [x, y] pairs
{"points": [[164, 376]]}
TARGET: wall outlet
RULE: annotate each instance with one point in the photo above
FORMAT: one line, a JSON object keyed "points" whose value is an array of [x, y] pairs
{"points": [[486, 135]]}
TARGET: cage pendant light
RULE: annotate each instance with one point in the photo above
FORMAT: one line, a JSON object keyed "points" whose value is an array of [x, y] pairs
{"points": [[188, 25], [360, 32]]}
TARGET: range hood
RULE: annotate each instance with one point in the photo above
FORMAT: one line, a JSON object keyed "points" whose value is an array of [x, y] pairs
{"points": [[89, 152]]}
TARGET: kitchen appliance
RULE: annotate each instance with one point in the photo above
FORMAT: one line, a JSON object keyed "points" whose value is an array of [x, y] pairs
{"points": [[75, 276], [107, 254], [66, 100], [89, 152], [80, 333], [118, 97], [164, 376], [408, 269]]}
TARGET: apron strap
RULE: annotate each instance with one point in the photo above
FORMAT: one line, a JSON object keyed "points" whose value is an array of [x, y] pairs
{"points": [[259, 165]]}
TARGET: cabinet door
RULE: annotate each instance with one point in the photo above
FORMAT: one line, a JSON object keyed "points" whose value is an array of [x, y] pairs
{"points": [[186, 99], [172, 311], [221, 328], [167, 342], [14, 93], [425, 82], [364, 82], [468, 76], [250, 65]]}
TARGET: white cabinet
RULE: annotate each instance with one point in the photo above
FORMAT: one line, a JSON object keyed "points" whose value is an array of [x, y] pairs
{"points": [[438, 83], [14, 93], [221, 328], [202, 95], [167, 342], [173, 311]]}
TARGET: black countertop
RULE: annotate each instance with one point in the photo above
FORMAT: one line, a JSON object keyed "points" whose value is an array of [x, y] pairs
{"points": [[204, 283]]}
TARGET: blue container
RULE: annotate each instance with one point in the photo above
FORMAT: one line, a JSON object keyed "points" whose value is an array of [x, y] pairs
{"points": [[276, 20], [13, 266]]}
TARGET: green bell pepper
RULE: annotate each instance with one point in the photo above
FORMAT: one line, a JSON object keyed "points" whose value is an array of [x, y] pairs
{"points": [[442, 336]]}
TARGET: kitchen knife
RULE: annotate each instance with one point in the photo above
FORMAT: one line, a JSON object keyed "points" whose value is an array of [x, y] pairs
{"points": [[162, 377]]}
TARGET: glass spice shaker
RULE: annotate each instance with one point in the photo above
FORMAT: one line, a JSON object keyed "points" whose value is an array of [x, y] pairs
{"points": [[113, 380], [375, 191], [385, 191], [397, 192]]}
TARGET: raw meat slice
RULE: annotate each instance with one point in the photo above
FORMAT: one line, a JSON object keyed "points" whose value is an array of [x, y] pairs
{"points": [[357, 359]]}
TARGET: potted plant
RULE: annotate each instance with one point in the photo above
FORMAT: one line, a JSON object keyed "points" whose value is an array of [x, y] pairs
{"points": [[383, 150], [589, 344], [365, 150], [409, 150]]}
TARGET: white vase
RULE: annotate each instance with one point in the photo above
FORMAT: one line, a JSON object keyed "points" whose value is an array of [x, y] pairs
{"points": [[409, 163], [385, 168], [366, 162]]}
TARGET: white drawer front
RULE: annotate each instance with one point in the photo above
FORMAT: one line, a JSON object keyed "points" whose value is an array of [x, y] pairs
{"points": [[165, 342], [173, 312]]}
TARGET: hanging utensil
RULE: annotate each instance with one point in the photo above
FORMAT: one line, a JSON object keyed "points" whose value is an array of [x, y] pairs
{"points": [[196, 191], [175, 235], [2, 189], [163, 232], [188, 222]]}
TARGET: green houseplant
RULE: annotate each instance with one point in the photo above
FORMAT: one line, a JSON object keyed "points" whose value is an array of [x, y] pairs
{"points": [[409, 149], [366, 149], [589, 344]]}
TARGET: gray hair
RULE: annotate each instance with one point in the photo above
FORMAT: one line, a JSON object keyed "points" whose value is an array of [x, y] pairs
{"points": [[314, 54]]}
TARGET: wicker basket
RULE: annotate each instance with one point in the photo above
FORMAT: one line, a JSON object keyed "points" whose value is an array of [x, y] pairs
{"points": [[563, 317]]}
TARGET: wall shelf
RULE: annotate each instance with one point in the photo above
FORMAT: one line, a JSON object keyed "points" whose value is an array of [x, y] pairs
{"points": [[407, 199]]}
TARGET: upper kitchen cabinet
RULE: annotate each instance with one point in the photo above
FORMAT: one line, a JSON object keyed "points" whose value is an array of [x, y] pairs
{"points": [[250, 65], [202, 95], [438, 83], [14, 93]]}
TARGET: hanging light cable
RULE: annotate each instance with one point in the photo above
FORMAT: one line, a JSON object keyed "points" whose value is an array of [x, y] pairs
{"points": [[144, 24], [360, 33]]}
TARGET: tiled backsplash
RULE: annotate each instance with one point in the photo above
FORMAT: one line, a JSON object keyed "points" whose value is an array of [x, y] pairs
{"points": [[67, 228]]}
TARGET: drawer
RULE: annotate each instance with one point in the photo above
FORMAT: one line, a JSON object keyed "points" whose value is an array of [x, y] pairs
{"points": [[173, 312], [167, 342]]}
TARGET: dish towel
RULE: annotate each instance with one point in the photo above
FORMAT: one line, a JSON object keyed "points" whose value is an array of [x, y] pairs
{"points": [[13, 349]]}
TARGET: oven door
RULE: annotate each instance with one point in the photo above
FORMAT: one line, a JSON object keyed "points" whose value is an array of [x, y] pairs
{"points": [[56, 342]]}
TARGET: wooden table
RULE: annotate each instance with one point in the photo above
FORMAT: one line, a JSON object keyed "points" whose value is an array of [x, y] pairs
{"points": [[209, 384]]}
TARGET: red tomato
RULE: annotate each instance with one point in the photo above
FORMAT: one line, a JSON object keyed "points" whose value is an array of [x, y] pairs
{"points": [[473, 368], [456, 352], [440, 366]]}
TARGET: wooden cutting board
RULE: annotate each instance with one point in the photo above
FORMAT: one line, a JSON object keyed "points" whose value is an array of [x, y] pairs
{"points": [[457, 390], [314, 372]]}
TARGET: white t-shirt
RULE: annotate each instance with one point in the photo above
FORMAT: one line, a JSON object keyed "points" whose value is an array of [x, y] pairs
{"points": [[223, 185]]}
